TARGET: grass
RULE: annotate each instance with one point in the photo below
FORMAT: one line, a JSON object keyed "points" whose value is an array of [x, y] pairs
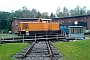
{"points": [[8, 50], [78, 50], [89, 37], [0, 36]]}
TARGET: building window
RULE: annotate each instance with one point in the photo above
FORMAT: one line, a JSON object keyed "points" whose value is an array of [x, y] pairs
{"points": [[69, 21], [16, 24]]}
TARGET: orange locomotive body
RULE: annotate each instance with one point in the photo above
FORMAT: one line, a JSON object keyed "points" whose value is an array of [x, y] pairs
{"points": [[40, 26]]}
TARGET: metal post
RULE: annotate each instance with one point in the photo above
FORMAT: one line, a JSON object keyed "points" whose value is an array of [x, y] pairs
{"points": [[23, 38], [2, 35], [65, 35], [35, 37], [57, 36], [13, 37], [46, 37]]}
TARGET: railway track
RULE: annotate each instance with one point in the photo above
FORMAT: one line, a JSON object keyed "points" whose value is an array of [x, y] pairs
{"points": [[42, 50]]}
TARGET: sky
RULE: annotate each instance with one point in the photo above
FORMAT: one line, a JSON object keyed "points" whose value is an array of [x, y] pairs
{"points": [[42, 5]]}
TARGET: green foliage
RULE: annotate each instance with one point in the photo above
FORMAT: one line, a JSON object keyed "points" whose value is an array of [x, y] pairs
{"points": [[65, 12], [78, 50], [73, 12], [45, 15], [52, 15], [8, 50], [88, 11], [4, 31]]}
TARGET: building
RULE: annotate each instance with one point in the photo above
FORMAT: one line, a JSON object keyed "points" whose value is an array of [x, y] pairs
{"points": [[76, 32], [67, 21]]}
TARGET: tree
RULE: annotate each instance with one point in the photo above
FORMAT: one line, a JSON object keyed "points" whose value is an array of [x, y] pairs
{"points": [[3, 19], [80, 11], [3, 24], [39, 15], [52, 15], [58, 12], [77, 10], [65, 12], [25, 12], [88, 12], [45, 15], [34, 13], [83, 10], [72, 12]]}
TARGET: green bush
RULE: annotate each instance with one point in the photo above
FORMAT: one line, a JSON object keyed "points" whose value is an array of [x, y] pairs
{"points": [[4, 31]]}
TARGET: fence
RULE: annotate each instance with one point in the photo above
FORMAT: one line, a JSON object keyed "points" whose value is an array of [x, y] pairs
{"points": [[23, 38], [3, 36]]}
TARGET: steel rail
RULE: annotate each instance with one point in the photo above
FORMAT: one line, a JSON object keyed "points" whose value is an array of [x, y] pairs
{"points": [[24, 55], [50, 51]]}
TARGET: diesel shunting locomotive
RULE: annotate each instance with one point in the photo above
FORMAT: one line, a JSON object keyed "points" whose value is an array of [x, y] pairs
{"points": [[41, 26]]}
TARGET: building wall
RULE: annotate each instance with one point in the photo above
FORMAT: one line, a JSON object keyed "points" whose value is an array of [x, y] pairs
{"points": [[70, 21], [15, 26], [88, 23]]}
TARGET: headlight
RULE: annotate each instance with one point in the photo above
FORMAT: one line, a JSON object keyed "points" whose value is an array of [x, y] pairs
{"points": [[27, 32]]}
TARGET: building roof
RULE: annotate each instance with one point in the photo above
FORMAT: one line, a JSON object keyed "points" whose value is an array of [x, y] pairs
{"points": [[14, 18], [57, 18]]}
